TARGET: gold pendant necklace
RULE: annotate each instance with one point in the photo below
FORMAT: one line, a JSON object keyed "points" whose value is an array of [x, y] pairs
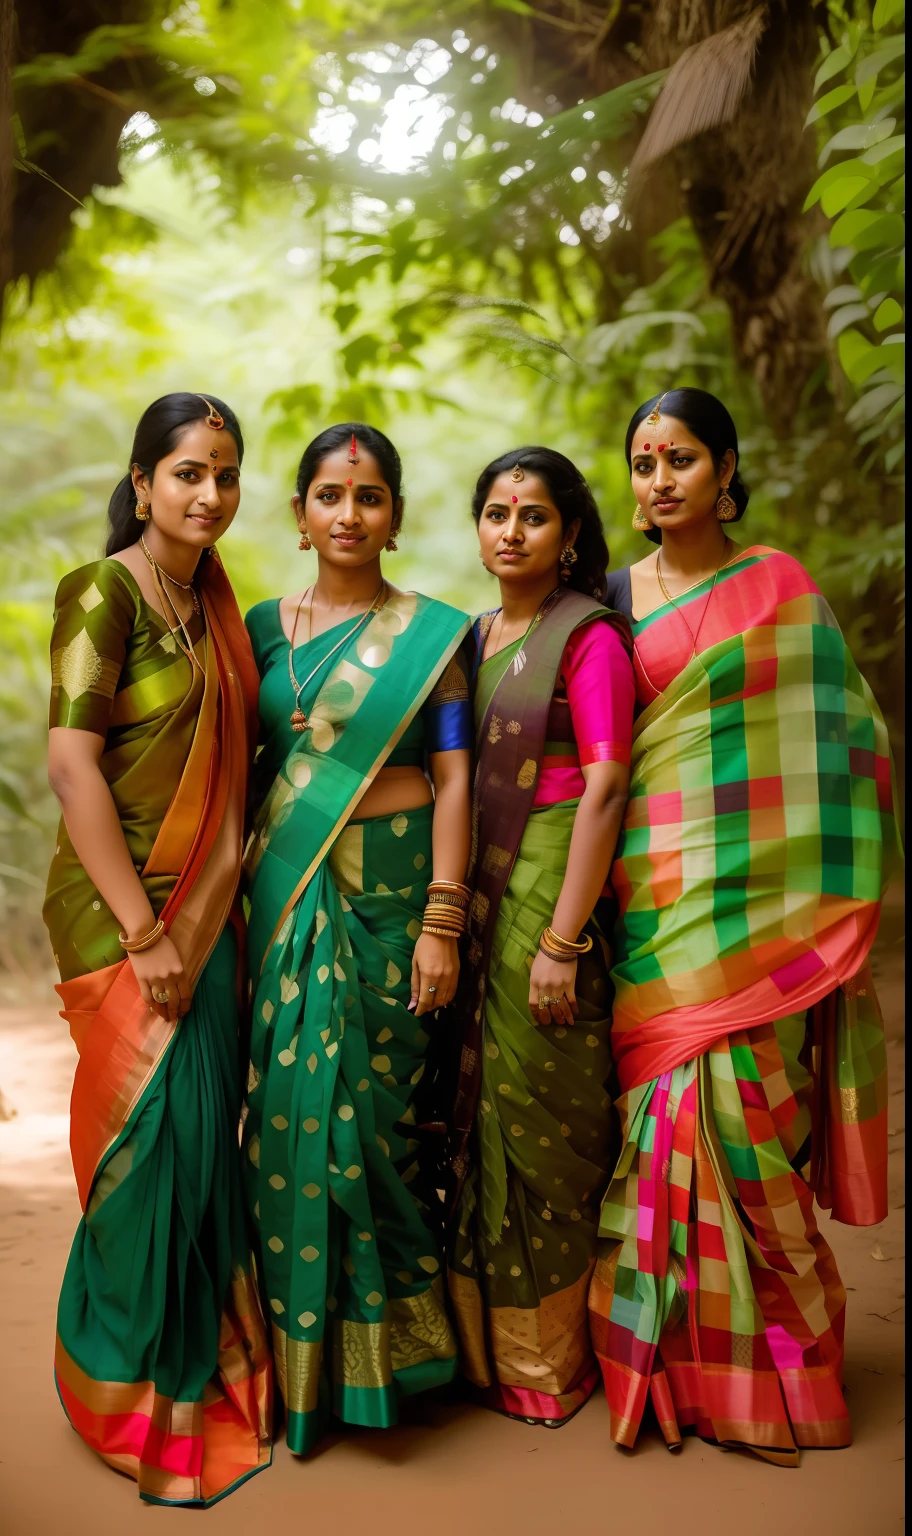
{"points": [[166, 600], [297, 718], [185, 586], [669, 599]]}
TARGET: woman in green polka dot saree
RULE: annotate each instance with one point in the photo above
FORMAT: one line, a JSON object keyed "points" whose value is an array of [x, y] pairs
{"points": [[345, 844]]}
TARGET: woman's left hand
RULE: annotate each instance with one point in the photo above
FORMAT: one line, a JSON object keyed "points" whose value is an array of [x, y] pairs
{"points": [[556, 980], [435, 971]]}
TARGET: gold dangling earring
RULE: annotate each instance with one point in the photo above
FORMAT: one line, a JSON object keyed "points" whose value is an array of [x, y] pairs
{"points": [[568, 559], [391, 544], [143, 511], [726, 508], [640, 521], [304, 542]]}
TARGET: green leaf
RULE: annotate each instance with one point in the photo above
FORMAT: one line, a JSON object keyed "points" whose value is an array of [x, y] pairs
{"points": [[881, 276], [884, 11], [838, 60], [858, 357], [846, 293], [889, 313], [865, 230], [846, 191], [883, 151], [858, 136], [828, 103], [876, 402], [855, 169], [12, 800], [846, 316], [894, 456], [870, 67]]}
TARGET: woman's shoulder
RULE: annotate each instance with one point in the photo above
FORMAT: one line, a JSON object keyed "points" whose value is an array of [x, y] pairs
{"points": [[443, 612], [263, 615], [101, 581], [616, 591]]}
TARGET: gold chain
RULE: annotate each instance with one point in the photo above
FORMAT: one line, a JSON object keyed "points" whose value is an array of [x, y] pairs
{"points": [[669, 599], [297, 717], [167, 601], [185, 586]]}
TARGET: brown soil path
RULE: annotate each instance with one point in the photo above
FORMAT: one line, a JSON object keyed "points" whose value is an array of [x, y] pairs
{"points": [[450, 1471]]}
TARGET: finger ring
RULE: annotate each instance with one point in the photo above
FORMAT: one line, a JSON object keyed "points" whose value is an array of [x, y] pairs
{"points": [[544, 1002], [431, 991], [160, 997]]}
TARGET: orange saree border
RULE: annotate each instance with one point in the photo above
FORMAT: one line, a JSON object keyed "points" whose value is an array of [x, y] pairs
{"points": [[120, 1040]]}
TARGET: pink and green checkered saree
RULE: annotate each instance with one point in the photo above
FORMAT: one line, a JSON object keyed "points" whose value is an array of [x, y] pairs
{"points": [[749, 1043]]}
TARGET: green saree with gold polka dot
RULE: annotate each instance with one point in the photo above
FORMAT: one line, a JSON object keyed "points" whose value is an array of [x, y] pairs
{"points": [[350, 1271]]}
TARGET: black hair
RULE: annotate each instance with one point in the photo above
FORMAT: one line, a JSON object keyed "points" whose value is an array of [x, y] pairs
{"points": [[707, 418], [160, 429], [571, 495], [340, 436]]}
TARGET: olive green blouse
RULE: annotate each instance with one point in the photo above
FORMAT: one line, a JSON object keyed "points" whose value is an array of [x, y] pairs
{"points": [[117, 670]]}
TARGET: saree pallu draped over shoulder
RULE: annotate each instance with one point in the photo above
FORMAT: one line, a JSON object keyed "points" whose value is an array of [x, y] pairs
{"points": [[162, 1362], [758, 840], [533, 1128], [349, 1267]]}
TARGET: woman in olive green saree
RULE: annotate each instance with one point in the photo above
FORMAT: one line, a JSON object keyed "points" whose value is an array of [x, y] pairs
{"points": [[534, 1129], [343, 965], [161, 1363]]}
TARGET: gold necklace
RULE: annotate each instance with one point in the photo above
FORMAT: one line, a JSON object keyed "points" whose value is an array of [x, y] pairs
{"points": [[297, 717], [166, 600], [526, 632], [668, 598], [185, 586]]}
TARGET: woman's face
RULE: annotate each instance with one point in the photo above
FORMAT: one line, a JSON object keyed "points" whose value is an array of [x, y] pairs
{"points": [[194, 493], [673, 475], [348, 513], [520, 530]]}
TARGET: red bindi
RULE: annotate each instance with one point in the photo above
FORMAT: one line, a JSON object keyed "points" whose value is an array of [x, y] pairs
{"points": [[514, 498], [645, 447], [348, 482], [671, 442], [661, 448]]}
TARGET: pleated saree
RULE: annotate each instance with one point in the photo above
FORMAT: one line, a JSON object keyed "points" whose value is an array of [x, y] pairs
{"points": [[535, 1134], [749, 1043], [162, 1363], [351, 1271]]}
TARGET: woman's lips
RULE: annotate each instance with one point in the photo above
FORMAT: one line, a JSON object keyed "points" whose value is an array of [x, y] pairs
{"points": [[667, 503], [205, 519], [510, 555], [348, 540]]}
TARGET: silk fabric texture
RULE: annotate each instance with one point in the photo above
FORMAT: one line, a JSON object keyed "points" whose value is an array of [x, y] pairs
{"points": [[531, 1174], [350, 1268], [161, 1362], [758, 838]]}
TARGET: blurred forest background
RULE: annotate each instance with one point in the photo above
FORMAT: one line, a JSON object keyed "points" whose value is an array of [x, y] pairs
{"points": [[474, 224]]}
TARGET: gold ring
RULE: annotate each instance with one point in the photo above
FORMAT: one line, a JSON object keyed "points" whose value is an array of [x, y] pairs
{"points": [[160, 997]]}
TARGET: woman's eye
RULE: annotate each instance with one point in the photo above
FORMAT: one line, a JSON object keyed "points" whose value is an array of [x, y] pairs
{"points": [[187, 474], [494, 516], [327, 496], [680, 462], [642, 467], [371, 499]]}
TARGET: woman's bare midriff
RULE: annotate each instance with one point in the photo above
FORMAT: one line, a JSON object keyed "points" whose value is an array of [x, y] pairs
{"points": [[395, 789]]}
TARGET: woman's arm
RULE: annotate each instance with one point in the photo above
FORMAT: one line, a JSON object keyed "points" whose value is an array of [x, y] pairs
{"points": [[75, 776], [592, 845], [436, 960]]}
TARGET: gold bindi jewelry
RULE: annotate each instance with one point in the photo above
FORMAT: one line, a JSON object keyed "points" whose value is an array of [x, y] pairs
{"points": [[655, 415], [214, 419], [143, 511], [185, 586], [297, 718], [353, 452], [516, 473]]}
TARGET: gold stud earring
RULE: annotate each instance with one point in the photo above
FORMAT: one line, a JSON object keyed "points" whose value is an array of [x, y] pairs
{"points": [[640, 521], [726, 508], [568, 559], [304, 542], [143, 511]]}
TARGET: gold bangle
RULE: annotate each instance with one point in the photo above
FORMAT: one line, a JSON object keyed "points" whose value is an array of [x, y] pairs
{"points": [[136, 946], [449, 899], [441, 933], [450, 885], [580, 948], [457, 914], [435, 922]]}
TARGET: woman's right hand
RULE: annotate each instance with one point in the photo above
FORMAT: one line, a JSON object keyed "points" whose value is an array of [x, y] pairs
{"points": [[160, 969]]}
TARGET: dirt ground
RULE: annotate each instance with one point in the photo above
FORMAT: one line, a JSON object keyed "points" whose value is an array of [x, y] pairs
{"points": [[451, 1470]]}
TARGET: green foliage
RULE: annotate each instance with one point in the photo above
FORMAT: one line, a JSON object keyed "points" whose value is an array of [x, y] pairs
{"points": [[864, 194]]}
